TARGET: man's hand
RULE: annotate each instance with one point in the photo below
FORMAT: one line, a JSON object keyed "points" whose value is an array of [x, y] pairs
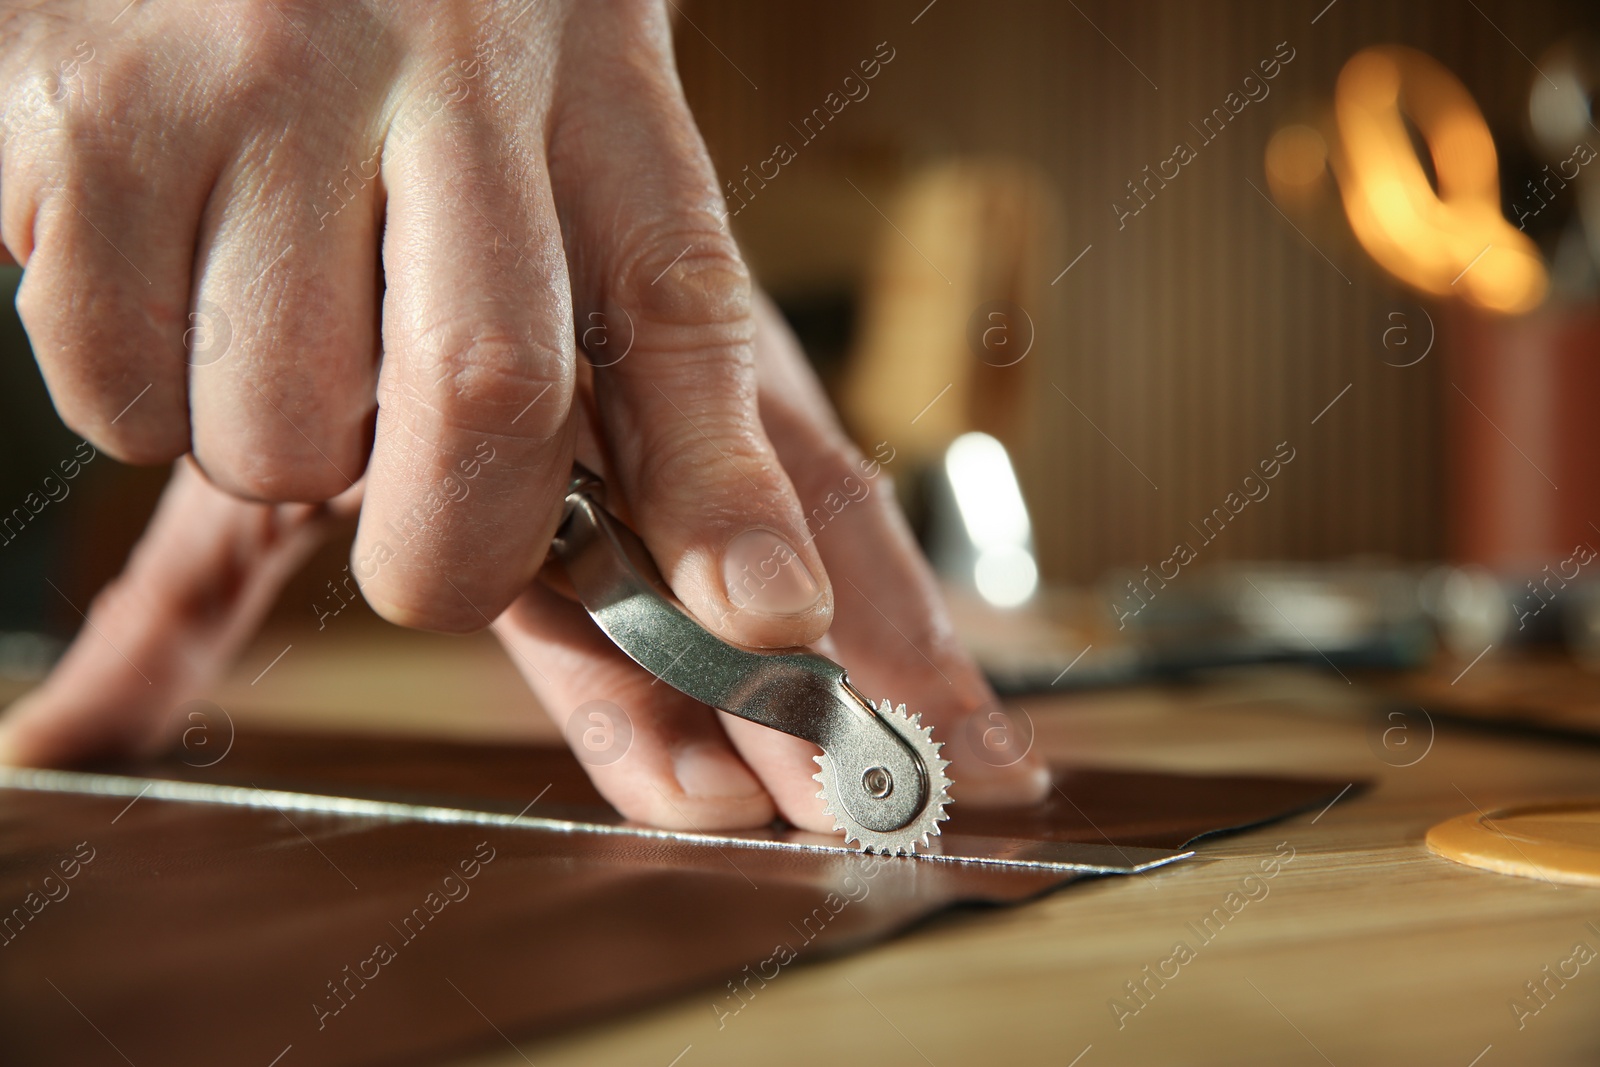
{"points": [[308, 242], [208, 568]]}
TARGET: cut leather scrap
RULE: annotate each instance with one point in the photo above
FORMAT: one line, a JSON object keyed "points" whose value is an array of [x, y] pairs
{"points": [[204, 933]]}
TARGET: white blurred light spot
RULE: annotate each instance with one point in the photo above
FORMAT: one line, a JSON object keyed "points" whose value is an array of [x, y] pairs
{"points": [[992, 509], [986, 491], [1006, 577]]}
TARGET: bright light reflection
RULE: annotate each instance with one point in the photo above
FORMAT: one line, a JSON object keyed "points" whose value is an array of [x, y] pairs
{"points": [[996, 518]]}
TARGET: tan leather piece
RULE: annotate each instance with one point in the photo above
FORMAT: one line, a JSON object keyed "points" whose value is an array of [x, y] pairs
{"points": [[1552, 842], [205, 934]]}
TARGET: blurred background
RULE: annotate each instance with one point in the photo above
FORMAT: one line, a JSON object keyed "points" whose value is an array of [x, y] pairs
{"points": [[1308, 289]]}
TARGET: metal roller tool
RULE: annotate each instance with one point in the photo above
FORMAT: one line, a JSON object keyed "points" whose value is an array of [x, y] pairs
{"points": [[881, 775]]}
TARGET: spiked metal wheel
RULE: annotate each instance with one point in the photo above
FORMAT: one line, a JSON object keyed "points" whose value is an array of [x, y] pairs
{"points": [[905, 840]]}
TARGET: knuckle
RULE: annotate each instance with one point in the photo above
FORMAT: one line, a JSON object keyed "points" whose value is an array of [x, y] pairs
{"points": [[689, 280], [65, 108], [278, 446], [112, 78], [273, 475], [485, 383], [258, 40], [41, 92], [57, 125]]}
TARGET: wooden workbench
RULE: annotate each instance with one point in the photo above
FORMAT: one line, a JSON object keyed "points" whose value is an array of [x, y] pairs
{"points": [[1366, 949]]}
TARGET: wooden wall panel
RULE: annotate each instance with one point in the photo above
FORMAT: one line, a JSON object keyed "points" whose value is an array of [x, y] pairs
{"points": [[1208, 329]]}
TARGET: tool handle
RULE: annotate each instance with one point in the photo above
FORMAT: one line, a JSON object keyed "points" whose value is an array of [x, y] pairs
{"points": [[618, 583]]}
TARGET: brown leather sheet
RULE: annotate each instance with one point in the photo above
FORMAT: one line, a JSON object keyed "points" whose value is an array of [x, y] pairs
{"points": [[159, 931]]}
